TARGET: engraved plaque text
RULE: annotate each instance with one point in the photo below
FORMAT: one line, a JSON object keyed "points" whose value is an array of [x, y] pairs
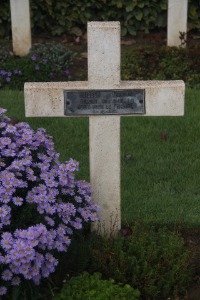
{"points": [[104, 102]]}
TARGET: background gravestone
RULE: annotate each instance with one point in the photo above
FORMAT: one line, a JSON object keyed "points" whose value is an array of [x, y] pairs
{"points": [[21, 26], [177, 22]]}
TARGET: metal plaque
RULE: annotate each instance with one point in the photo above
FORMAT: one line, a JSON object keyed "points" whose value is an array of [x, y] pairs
{"points": [[104, 102]]}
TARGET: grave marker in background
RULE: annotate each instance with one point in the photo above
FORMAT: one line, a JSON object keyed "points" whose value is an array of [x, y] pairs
{"points": [[21, 26], [176, 21], [104, 97]]}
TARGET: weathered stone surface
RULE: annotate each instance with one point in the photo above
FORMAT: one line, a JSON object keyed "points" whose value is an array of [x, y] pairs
{"points": [[21, 26], [103, 55], [162, 98], [177, 21], [105, 178]]}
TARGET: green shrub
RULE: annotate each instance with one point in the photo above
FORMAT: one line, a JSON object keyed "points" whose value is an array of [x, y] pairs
{"points": [[163, 63], [52, 62], [193, 14], [28, 71], [58, 55], [155, 262], [45, 62], [5, 55], [85, 286], [139, 15], [68, 17], [5, 23]]}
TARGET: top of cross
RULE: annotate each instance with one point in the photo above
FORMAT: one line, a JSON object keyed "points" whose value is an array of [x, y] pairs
{"points": [[103, 54], [161, 97]]}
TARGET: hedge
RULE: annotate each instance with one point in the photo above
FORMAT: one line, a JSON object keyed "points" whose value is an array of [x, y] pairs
{"points": [[70, 17]]}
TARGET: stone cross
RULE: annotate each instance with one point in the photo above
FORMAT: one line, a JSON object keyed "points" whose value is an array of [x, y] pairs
{"points": [[162, 98], [21, 26], [177, 22]]}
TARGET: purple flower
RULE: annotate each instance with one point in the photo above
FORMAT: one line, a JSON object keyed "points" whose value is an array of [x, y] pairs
{"points": [[4, 210], [5, 141], [17, 72], [2, 110], [66, 72], [10, 129], [3, 290], [49, 221], [33, 57], [7, 240], [7, 275], [36, 279], [16, 280], [3, 72], [8, 152], [31, 175], [17, 201], [37, 67], [44, 60], [8, 79]]}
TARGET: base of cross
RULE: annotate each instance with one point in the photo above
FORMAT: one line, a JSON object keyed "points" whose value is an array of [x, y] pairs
{"points": [[161, 98]]}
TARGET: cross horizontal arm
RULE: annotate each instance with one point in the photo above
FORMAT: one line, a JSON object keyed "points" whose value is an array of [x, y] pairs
{"points": [[162, 98]]}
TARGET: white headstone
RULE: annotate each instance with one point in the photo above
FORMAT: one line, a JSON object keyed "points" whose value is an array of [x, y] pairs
{"points": [[162, 98], [21, 26], [177, 22]]}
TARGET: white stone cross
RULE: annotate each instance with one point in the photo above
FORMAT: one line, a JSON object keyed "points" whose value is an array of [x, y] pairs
{"points": [[21, 26], [162, 98], [176, 21]]}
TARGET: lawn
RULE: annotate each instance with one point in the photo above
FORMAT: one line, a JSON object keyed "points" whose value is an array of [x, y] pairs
{"points": [[160, 177]]}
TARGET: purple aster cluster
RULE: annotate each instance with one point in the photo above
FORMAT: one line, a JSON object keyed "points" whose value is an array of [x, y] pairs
{"points": [[38, 62], [31, 176], [6, 76]]}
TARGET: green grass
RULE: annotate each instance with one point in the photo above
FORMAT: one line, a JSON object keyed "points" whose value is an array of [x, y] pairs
{"points": [[161, 181], [161, 184]]}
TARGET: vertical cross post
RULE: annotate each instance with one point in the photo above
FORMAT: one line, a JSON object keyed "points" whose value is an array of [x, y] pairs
{"points": [[177, 22], [104, 73], [21, 26]]}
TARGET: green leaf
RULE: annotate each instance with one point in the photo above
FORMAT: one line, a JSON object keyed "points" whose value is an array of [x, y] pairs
{"points": [[131, 30], [141, 4], [123, 31], [77, 31], [130, 16], [139, 15], [192, 12], [160, 21], [58, 30], [119, 4], [163, 5], [49, 2], [130, 7], [2, 31]]}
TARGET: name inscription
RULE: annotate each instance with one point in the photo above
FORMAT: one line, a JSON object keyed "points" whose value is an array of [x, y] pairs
{"points": [[104, 102]]}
